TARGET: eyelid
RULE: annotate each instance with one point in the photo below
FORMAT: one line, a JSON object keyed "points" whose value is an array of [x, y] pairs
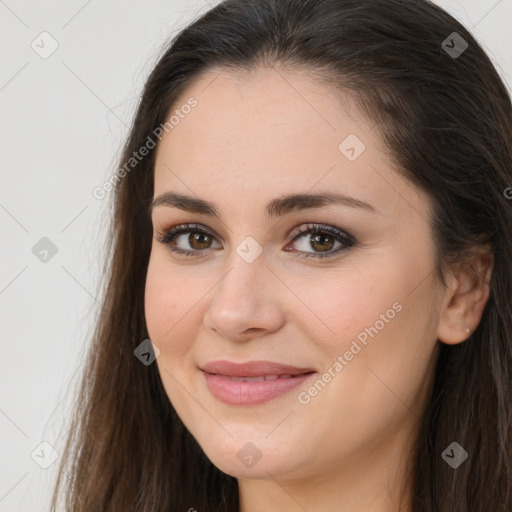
{"points": [[166, 235]]}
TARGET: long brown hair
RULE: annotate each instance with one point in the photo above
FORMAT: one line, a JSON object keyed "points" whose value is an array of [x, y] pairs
{"points": [[446, 118]]}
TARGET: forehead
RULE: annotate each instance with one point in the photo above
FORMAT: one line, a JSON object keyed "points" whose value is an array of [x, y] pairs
{"points": [[276, 131], [266, 112]]}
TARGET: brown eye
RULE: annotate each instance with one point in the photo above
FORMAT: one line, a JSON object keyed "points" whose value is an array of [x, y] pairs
{"points": [[322, 242], [193, 240], [199, 241]]}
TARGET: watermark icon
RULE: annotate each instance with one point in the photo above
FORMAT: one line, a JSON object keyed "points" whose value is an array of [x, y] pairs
{"points": [[454, 455], [249, 454], [44, 250], [185, 109], [44, 455], [304, 397], [147, 352], [351, 147], [44, 45], [454, 45], [249, 249]]}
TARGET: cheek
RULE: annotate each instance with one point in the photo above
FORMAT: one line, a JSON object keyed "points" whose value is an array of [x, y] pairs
{"points": [[339, 307], [169, 312], [166, 303], [381, 333], [375, 321]]}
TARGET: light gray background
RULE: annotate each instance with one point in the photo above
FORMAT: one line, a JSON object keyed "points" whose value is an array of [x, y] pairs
{"points": [[63, 120]]}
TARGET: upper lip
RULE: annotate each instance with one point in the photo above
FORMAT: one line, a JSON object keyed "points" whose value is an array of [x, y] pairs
{"points": [[252, 368]]}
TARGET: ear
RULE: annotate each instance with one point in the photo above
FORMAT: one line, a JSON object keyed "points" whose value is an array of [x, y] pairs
{"points": [[466, 296]]}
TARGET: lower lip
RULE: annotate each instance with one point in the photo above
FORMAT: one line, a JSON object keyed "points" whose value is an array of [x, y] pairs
{"points": [[238, 392]]}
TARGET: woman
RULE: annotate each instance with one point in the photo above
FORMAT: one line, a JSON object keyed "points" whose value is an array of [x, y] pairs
{"points": [[307, 305]]}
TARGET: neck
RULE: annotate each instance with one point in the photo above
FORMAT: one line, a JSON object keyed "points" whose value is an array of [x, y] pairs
{"points": [[375, 479]]}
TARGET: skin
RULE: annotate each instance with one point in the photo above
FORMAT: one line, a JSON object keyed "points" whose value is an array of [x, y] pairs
{"points": [[252, 138]]}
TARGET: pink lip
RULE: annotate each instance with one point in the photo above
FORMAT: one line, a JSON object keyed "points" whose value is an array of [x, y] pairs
{"points": [[233, 392], [253, 368]]}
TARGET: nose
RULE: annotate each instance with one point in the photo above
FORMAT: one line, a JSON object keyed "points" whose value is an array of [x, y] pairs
{"points": [[247, 302]]}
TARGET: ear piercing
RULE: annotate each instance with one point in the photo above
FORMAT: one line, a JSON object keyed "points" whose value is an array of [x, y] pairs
{"points": [[468, 330]]}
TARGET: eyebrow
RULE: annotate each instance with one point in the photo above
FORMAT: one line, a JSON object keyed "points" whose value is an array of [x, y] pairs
{"points": [[275, 208]]}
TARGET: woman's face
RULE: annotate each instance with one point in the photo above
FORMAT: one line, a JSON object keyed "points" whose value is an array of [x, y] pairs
{"points": [[250, 287]]}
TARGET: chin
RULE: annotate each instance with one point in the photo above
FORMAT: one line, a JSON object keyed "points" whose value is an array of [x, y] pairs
{"points": [[256, 459], [261, 470]]}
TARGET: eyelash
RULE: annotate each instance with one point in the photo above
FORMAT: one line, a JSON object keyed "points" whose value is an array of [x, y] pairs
{"points": [[167, 236]]}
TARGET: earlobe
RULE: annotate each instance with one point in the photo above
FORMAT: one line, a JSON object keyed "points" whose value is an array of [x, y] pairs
{"points": [[466, 296]]}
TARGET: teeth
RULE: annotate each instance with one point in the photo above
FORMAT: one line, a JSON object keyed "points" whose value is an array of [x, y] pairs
{"points": [[248, 379], [260, 378]]}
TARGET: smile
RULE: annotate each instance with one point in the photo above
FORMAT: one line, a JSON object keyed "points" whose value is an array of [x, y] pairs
{"points": [[252, 390]]}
